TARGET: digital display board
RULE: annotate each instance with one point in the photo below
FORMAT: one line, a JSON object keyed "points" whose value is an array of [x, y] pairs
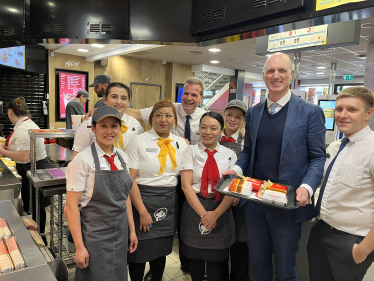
{"points": [[68, 83], [328, 107], [13, 57], [179, 92]]}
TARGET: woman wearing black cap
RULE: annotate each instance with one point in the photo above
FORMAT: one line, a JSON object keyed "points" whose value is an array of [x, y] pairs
{"points": [[97, 205]]}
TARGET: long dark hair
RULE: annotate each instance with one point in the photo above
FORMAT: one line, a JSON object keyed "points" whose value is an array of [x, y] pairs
{"points": [[216, 116], [19, 107]]}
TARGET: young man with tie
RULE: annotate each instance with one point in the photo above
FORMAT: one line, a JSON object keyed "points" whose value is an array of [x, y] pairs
{"points": [[341, 243], [285, 142]]}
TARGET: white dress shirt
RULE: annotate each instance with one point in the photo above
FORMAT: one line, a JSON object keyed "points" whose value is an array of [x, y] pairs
{"points": [[80, 174], [195, 156], [234, 136], [143, 153], [181, 114], [348, 200], [84, 135], [20, 139]]}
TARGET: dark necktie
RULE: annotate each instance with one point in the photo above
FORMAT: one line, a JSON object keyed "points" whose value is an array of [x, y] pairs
{"points": [[110, 160], [187, 129], [318, 205]]}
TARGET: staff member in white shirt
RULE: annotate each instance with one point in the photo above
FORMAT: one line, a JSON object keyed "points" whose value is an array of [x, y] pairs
{"points": [[17, 147], [155, 162], [98, 208], [118, 95], [207, 229], [341, 243]]}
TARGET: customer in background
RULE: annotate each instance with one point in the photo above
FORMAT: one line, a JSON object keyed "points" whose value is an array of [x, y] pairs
{"points": [[234, 116], [341, 243], [98, 208], [207, 227], [17, 147], [75, 107], [100, 84], [155, 163]]}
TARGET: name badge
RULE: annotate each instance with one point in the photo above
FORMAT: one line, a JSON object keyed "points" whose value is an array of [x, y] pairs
{"points": [[153, 150], [199, 158]]}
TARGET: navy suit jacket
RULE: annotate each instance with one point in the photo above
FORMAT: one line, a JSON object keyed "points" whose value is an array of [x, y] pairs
{"points": [[303, 152]]}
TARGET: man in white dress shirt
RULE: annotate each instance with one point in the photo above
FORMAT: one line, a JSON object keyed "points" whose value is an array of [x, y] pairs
{"points": [[341, 243]]}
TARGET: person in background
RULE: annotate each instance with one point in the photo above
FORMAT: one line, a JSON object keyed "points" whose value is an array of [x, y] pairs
{"points": [[341, 243], [155, 163], [118, 96], [207, 227], [98, 208], [75, 107], [284, 143], [234, 116], [100, 84], [17, 147]]}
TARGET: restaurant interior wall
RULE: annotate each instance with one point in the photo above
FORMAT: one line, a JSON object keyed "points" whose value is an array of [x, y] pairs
{"points": [[15, 83]]}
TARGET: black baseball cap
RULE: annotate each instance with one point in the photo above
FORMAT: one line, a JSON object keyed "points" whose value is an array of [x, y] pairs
{"points": [[102, 78], [239, 104], [105, 111]]}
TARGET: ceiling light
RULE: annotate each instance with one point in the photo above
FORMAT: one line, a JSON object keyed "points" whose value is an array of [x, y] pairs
{"points": [[321, 67], [195, 53], [12, 10], [214, 50], [97, 46], [320, 73], [51, 4], [214, 61], [82, 50], [362, 57]]}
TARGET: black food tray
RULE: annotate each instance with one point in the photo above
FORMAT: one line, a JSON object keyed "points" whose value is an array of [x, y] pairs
{"points": [[291, 194]]}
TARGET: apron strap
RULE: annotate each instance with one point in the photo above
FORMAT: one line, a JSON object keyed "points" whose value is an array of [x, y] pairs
{"points": [[95, 157], [123, 163]]}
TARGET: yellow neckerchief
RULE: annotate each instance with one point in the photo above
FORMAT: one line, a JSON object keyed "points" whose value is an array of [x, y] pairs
{"points": [[120, 137], [166, 148]]}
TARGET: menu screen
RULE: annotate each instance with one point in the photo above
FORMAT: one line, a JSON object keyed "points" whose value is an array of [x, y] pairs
{"points": [[69, 85], [13, 56], [328, 107]]}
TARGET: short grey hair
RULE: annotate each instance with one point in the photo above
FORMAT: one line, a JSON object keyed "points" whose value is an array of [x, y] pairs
{"points": [[196, 81], [292, 64]]}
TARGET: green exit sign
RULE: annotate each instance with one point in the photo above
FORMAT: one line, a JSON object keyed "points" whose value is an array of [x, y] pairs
{"points": [[347, 77]]}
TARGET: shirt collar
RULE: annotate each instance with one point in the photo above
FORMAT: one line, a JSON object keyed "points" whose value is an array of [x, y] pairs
{"points": [[20, 122], [100, 152], [155, 136], [360, 135], [282, 102], [234, 135], [184, 114], [202, 147]]}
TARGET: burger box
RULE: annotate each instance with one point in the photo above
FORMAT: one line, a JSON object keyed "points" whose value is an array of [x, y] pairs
{"points": [[222, 187]]}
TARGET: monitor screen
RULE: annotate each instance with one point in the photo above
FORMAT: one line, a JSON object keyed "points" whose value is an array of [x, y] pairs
{"points": [[328, 107], [68, 84], [13, 57], [179, 93]]}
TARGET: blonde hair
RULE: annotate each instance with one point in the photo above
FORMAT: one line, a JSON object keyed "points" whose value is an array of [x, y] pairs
{"points": [[196, 81], [362, 93]]}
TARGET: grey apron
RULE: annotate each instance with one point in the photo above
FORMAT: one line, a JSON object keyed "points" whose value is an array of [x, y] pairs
{"points": [[161, 204], [196, 235], [237, 146], [104, 225]]}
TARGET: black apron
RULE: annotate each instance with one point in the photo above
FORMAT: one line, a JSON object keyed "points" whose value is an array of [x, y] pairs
{"points": [[196, 235], [104, 225]]}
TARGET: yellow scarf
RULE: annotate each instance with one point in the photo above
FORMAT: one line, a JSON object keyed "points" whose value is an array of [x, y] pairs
{"points": [[120, 137], [166, 148]]}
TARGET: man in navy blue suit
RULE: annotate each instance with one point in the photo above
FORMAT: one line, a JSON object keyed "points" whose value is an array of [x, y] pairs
{"points": [[284, 142]]}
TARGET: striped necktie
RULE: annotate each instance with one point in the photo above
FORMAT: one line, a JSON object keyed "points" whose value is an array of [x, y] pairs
{"points": [[272, 108]]}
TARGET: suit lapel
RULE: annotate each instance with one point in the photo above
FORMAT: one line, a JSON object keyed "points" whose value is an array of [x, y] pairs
{"points": [[293, 114]]}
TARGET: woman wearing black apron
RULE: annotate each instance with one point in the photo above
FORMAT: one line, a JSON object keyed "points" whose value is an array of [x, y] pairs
{"points": [[207, 228], [97, 205], [155, 161], [234, 116], [17, 147]]}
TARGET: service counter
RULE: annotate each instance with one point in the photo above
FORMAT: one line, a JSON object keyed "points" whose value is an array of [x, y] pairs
{"points": [[9, 183], [58, 154]]}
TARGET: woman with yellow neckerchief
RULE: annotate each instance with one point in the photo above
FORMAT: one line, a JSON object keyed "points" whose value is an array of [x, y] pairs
{"points": [[154, 163]]}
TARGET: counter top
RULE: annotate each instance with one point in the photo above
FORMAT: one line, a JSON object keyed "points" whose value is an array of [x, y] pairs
{"points": [[58, 153], [40, 273], [8, 180]]}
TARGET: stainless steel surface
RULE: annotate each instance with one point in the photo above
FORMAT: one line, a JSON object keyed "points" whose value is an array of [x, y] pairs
{"points": [[8, 180], [50, 133], [36, 182], [58, 153], [59, 269], [39, 273]]}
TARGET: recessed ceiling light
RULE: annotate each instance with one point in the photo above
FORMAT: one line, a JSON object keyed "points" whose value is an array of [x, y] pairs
{"points": [[214, 50], [196, 53], [321, 67], [51, 4], [97, 46], [362, 57], [12, 10], [214, 61], [82, 50], [320, 73]]}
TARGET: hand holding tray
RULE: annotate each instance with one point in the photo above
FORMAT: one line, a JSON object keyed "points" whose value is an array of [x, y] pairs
{"points": [[291, 194]]}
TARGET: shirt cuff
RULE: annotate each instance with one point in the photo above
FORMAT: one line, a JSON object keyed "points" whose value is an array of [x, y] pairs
{"points": [[310, 191], [238, 170]]}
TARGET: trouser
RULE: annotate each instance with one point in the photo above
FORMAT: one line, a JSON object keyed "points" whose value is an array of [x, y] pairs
{"points": [[330, 255], [185, 262], [157, 267]]}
